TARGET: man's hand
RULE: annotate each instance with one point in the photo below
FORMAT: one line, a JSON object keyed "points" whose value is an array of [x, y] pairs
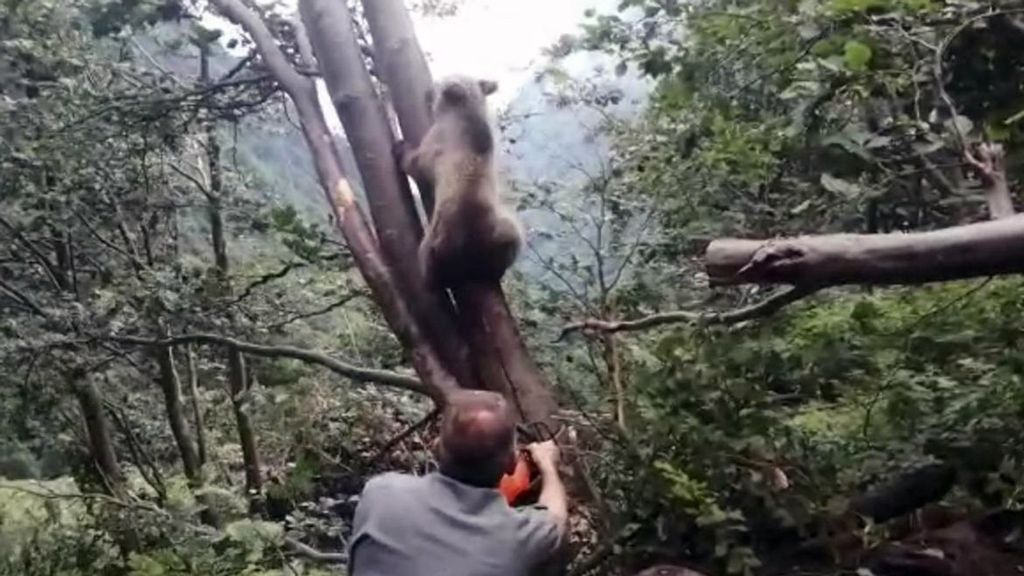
{"points": [[552, 493], [546, 455]]}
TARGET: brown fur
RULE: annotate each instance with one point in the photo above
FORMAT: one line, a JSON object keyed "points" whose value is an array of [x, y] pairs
{"points": [[471, 237]]}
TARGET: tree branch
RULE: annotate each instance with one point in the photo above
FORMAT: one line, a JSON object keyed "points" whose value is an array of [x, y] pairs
{"points": [[991, 166], [23, 298], [310, 553], [318, 312], [405, 434], [48, 266], [356, 373], [275, 60], [766, 307], [983, 249]]}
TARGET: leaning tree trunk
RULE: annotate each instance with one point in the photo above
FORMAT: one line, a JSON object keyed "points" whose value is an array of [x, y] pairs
{"points": [[364, 118], [170, 386], [101, 445], [347, 216], [499, 353]]}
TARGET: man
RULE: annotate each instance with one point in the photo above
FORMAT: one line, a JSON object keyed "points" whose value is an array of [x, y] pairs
{"points": [[455, 522]]}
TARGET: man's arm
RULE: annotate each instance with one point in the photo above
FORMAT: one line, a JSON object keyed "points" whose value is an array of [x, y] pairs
{"points": [[552, 492]]}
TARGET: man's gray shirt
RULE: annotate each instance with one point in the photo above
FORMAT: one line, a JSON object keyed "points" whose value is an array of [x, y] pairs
{"points": [[435, 526]]}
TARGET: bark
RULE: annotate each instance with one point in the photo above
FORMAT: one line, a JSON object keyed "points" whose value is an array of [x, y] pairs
{"points": [[101, 445], [348, 218], [983, 249], [500, 355], [239, 385], [503, 352], [402, 65], [197, 408], [613, 361], [991, 165], [142, 459], [362, 113], [170, 386]]}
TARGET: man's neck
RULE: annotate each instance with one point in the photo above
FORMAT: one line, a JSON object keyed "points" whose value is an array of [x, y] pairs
{"points": [[467, 482]]}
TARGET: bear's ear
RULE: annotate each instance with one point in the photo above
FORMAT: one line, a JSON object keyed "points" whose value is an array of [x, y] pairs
{"points": [[488, 87]]}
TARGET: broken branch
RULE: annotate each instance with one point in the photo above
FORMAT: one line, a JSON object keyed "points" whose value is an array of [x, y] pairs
{"points": [[975, 250]]}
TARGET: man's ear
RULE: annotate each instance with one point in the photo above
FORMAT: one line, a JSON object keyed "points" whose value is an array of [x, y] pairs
{"points": [[488, 87]]}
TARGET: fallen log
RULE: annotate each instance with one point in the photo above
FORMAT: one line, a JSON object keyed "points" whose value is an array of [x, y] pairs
{"points": [[973, 250]]}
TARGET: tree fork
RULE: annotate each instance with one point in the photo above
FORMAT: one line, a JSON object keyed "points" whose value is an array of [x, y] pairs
{"points": [[362, 113], [498, 348], [348, 218]]}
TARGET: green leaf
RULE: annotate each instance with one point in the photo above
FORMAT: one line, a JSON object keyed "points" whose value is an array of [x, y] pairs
{"points": [[856, 55]]}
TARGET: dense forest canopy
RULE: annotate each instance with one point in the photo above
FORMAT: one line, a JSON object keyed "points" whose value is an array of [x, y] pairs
{"points": [[213, 331]]}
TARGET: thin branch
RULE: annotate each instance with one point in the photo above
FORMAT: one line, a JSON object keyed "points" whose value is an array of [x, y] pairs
{"points": [[239, 66], [138, 46], [310, 553], [356, 373], [137, 264], [940, 84], [640, 236], [549, 265], [23, 298], [422, 422], [273, 57], [141, 458], [199, 184], [48, 266], [47, 494], [763, 308], [266, 279], [318, 312]]}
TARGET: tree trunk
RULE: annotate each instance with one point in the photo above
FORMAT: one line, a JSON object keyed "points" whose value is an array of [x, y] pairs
{"points": [[197, 408], [365, 120], [239, 384], [170, 385], [982, 249], [499, 353], [613, 363], [404, 69], [101, 445], [237, 378]]}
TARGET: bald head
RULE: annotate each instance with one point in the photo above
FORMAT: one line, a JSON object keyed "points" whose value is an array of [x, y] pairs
{"points": [[477, 443]]}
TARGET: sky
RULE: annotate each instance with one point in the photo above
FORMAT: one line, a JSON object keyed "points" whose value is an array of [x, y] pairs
{"points": [[500, 40], [497, 39]]}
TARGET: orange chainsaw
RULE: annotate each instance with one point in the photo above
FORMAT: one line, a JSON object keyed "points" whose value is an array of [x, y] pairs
{"points": [[524, 480]]}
